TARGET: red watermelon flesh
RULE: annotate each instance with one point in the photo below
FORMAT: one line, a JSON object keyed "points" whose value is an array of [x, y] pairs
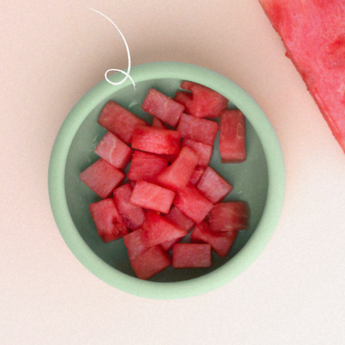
{"points": [[192, 203], [156, 140], [232, 139], [157, 123], [119, 121], [145, 166], [114, 151], [203, 102], [134, 244], [202, 130], [197, 175], [313, 33], [191, 255], [220, 242], [179, 218], [151, 196], [158, 229], [213, 186], [162, 107], [169, 244], [107, 219], [133, 216], [229, 216], [150, 262], [102, 177], [203, 151], [177, 175]]}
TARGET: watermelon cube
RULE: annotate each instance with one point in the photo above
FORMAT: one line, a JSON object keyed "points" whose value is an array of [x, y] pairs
{"points": [[229, 216], [232, 139], [157, 123], [102, 177], [221, 242], [152, 196], [202, 130], [134, 244], [162, 107], [169, 244], [150, 262], [119, 121], [197, 175], [179, 218], [213, 186], [313, 34], [107, 219], [145, 166], [191, 255], [133, 216], [114, 151], [158, 229], [203, 101], [203, 151], [192, 203], [156, 140], [177, 175]]}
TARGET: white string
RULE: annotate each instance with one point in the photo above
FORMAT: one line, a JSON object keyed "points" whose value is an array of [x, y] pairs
{"points": [[128, 55]]}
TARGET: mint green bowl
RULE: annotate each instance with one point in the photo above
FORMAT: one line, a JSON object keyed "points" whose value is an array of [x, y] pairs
{"points": [[260, 181]]}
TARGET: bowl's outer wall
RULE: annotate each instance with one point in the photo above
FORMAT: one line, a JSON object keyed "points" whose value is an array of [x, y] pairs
{"points": [[252, 180]]}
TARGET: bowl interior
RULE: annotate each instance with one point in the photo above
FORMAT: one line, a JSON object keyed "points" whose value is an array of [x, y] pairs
{"points": [[249, 179]]}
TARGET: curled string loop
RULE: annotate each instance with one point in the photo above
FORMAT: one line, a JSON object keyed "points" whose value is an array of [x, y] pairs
{"points": [[126, 74]]}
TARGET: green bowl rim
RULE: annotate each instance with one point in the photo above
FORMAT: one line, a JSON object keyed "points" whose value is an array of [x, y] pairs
{"points": [[257, 242]]}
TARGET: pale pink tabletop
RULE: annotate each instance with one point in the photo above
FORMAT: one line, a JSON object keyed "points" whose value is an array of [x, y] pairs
{"points": [[51, 54]]}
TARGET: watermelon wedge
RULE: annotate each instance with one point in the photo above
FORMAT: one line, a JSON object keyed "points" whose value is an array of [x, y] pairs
{"points": [[313, 33], [202, 101], [150, 262]]}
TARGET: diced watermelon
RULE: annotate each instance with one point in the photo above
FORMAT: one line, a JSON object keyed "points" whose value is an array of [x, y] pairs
{"points": [[114, 151], [203, 102], [134, 244], [313, 34], [220, 242], [179, 218], [146, 166], [119, 121], [156, 140], [197, 175], [133, 216], [102, 177], [162, 107], [167, 245], [213, 186], [158, 229], [177, 175], [157, 123], [203, 151], [192, 203], [232, 139], [229, 216], [191, 255], [202, 130], [150, 262], [107, 219], [152, 196]]}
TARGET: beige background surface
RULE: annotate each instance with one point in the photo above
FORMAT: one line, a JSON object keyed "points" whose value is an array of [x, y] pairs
{"points": [[51, 54]]}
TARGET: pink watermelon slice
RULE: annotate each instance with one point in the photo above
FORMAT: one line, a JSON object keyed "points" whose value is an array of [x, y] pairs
{"points": [[313, 32], [150, 262], [107, 219], [191, 255]]}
